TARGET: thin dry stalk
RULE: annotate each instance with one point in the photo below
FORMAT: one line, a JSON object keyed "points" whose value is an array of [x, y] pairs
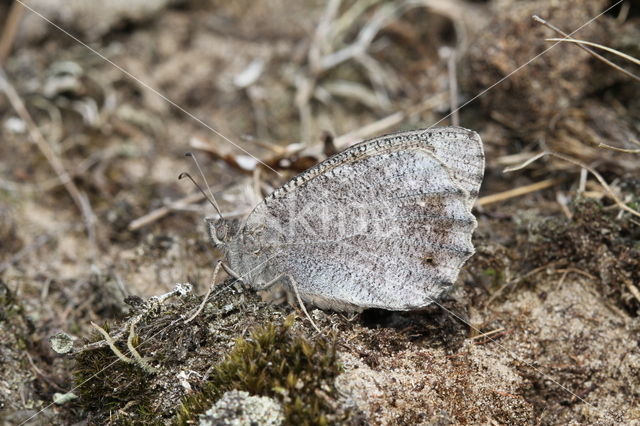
{"points": [[363, 40], [53, 159], [586, 49], [597, 175], [11, 26], [177, 205], [598, 46], [517, 192], [387, 122], [322, 37], [488, 333], [161, 212], [615, 148], [453, 88], [112, 344], [142, 363], [370, 129]]}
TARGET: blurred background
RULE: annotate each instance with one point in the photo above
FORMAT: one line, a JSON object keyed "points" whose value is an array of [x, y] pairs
{"points": [[100, 100]]}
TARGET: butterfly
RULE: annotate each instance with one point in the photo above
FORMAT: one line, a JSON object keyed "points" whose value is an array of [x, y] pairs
{"points": [[386, 223]]}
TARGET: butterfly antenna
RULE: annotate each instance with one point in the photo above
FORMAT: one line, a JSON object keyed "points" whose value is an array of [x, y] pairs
{"points": [[210, 200]]}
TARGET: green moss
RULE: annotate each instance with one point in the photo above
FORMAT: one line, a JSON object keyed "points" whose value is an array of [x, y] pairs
{"points": [[106, 385], [490, 272], [275, 362], [9, 307]]}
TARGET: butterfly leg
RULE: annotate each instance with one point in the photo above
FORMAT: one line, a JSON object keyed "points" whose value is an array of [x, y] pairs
{"points": [[206, 297], [273, 291], [216, 270], [231, 272], [293, 290]]}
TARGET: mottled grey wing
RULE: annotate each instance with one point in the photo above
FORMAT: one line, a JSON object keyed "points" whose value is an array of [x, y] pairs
{"points": [[461, 150], [385, 223]]}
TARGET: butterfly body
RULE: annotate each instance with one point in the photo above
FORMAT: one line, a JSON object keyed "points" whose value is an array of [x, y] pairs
{"points": [[386, 223]]}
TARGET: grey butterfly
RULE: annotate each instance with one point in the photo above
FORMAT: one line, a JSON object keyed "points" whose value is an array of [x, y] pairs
{"points": [[386, 223]]}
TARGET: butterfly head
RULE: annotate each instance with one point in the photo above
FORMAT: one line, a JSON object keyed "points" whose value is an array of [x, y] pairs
{"points": [[222, 230]]}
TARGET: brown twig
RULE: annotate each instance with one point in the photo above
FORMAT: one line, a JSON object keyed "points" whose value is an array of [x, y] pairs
{"points": [[53, 159], [11, 25], [597, 175], [586, 49]]}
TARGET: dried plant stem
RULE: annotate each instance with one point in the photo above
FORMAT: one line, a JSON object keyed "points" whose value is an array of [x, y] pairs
{"points": [[369, 129], [53, 159], [142, 363], [161, 212], [453, 88], [597, 175], [598, 46], [112, 344], [615, 148], [387, 122], [488, 333], [516, 192], [586, 49], [11, 26]]}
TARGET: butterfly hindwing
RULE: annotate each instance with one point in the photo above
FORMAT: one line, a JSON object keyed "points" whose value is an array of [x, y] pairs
{"points": [[386, 223]]}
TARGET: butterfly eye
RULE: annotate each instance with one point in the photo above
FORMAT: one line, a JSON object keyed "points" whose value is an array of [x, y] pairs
{"points": [[221, 231]]}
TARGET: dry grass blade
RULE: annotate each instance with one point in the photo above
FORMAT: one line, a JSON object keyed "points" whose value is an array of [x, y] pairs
{"points": [[615, 148], [488, 333], [597, 175], [516, 192], [599, 46], [567, 37], [161, 212]]}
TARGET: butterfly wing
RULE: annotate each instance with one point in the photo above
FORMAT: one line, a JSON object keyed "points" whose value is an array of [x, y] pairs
{"points": [[385, 223], [461, 150]]}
